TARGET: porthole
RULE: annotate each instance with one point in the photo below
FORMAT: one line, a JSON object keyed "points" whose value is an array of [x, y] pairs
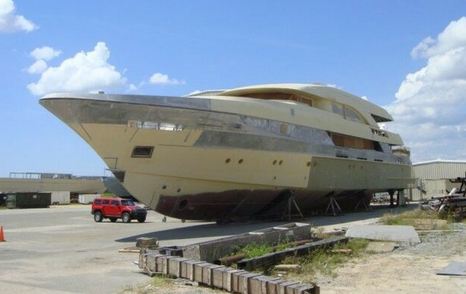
{"points": [[227, 160], [240, 161]]}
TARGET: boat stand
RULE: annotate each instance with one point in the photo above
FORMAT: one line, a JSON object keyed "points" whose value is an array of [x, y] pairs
{"points": [[361, 203], [335, 208], [289, 208]]}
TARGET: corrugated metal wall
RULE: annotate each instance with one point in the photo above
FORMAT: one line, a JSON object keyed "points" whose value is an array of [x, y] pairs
{"points": [[439, 170], [431, 178]]}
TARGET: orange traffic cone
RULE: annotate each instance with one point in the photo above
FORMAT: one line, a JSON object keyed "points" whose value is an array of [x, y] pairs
{"points": [[2, 236]]}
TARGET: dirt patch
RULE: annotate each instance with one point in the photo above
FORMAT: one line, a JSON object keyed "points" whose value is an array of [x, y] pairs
{"points": [[406, 270]]}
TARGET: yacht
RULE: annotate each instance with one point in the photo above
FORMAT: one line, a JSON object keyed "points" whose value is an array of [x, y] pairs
{"points": [[241, 152]]}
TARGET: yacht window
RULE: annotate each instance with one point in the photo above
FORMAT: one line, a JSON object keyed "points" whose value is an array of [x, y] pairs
{"points": [[337, 108], [142, 152], [279, 96], [352, 142], [352, 115]]}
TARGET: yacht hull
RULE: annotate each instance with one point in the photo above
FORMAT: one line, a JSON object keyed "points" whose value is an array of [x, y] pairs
{"points": [[208, 165]]}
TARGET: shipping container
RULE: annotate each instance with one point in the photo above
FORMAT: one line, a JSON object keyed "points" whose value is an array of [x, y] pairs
{"points": [[28, 200]]}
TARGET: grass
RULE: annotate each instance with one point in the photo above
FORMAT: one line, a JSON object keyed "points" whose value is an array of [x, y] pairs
{"points": [[324, 261], [255, 250], [413, 217], [160, 281]]}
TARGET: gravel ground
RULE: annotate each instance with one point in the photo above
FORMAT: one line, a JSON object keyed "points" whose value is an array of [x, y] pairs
{"points": [[405, 270]]}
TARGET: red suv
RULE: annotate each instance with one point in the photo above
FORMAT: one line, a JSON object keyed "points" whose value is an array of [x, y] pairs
{"points": [[115, 208]]}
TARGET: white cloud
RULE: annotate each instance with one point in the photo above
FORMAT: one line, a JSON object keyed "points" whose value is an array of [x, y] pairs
{"points": [[85, 71], [10, 21], [38, 67], [163, 79], [430, 105], [46, 53], [41, 55]]}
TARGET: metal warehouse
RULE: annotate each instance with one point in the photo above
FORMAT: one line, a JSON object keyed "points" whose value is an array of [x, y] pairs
{"points": [[433, 177]]}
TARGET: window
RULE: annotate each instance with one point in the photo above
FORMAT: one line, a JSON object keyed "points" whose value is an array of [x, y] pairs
{"points": [[127, 203], [279, 96], [115, 202], [142, 152], [105, 201], [352, 115], [338, 109], [352, 142], [98, 201]]}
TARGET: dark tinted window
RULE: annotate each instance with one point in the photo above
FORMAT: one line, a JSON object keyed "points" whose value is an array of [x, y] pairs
{"points": [[105, 201], [98, 201], [142, 151], [127, 202], [115, 202]]}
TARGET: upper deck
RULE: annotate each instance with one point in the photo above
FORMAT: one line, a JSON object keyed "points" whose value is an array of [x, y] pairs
{"points": [[323, 97]]}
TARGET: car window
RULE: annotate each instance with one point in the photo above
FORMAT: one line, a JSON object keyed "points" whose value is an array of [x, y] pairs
{"points": [[105, 201], [115, 202], [98, 201], [127, 202]]}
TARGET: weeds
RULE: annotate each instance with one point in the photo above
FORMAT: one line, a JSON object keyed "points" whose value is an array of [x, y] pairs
{"points": [[406, 218], [254, 250], [326, 260], [160, 281]]}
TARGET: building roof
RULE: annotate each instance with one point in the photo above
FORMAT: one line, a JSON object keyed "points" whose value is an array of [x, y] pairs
{"points": [[439, 161]]}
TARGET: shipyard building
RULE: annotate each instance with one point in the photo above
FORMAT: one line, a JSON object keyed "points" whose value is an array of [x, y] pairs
{"points": [[30, 189], [433, 178]]}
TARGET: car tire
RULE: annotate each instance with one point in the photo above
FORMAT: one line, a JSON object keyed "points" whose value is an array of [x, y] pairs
{"points": [[98, 217], [113, 219], [125, 217], [141, 219]]}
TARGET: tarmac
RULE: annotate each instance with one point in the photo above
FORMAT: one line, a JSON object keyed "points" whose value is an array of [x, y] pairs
{"points": [[62, 250]]}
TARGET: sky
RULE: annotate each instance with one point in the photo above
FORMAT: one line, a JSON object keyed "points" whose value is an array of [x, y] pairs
{"points": [[407, 56]]}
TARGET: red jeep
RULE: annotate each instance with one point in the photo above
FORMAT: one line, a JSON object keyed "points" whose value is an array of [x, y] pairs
{"points": [[115, 208]]}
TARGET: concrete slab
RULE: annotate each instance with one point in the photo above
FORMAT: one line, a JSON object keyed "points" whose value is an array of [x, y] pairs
{"points": [[455, 268], [381, 247], [403, 234]]}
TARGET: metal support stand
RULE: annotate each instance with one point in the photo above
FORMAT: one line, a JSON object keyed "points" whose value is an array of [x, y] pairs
{"points": [[391, 193], [333, 205], [362, 203], [289, 209]]}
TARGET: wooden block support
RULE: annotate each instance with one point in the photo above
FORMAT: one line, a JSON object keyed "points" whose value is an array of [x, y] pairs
{"points": [[187, 269], [220, 277]]}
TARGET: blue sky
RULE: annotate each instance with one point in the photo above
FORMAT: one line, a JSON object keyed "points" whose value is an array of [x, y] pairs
{"points": [[364, 47]]}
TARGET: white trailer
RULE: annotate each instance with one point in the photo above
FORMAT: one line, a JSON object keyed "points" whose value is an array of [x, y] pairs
{"points": [[60, 197], [87, 198]]}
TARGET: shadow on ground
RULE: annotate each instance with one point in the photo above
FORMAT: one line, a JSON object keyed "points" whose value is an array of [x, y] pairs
{"points": [[214, 230]]}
